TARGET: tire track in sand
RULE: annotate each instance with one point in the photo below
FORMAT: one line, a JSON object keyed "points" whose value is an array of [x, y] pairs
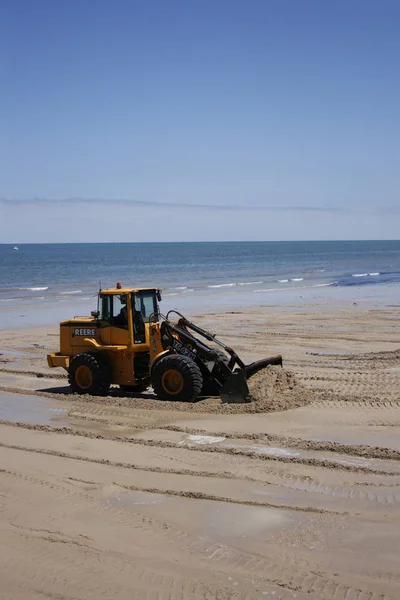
{"points": [[48, 555], [322, 462], [388, 494]]}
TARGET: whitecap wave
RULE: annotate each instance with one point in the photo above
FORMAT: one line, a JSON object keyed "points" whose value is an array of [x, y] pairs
{"points": [[269, 290], [373, 274], [181, 287], [285, 289], [323, 284], [222, 285], [297, 279], [250, 282], [34, 289], [283, 280], [71, 292], [359, 275]]}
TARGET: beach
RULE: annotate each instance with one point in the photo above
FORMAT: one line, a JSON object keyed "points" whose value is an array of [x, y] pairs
{"points": [[131, 497], [199, 231]]}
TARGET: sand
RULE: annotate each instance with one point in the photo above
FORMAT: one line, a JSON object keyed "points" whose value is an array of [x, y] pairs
{"points": [[294, 495]]}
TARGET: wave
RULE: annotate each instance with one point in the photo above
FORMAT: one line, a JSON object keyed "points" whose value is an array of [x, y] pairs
{"points": [[176, 291], [296, 287], [365, 274], [33, 289], [293, 279], [221, 285], [71, 292]]}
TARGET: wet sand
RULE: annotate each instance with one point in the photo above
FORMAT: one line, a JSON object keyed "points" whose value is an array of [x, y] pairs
{"points": [[130, 497]]}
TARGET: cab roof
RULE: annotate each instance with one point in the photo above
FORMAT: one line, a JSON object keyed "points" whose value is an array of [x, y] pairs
{"points": [[125, 290]]}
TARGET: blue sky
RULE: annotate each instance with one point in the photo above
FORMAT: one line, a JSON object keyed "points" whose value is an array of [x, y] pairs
{"points": [[158, 120]]}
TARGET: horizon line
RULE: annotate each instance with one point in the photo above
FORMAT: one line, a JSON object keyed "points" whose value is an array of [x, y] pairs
{"points": [[206, 242]]}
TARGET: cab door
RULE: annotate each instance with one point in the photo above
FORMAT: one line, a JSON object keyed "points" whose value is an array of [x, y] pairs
{"points": [[144, 308], [114, 320]]}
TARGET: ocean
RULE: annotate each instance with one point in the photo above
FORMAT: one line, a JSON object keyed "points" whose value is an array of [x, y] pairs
{"points": [[40, 276]]}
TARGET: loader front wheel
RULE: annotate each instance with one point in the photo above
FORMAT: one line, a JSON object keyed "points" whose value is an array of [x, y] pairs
{"points": [[176, 377], [89, 374]]}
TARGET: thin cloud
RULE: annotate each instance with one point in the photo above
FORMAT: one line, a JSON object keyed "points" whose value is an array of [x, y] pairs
{"points": [[151, 203]]}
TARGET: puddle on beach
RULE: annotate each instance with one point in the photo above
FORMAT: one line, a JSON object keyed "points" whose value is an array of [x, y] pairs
{"points": [[120, 499], [362, 438], [31, 382], [227, 521], [221, 520], [31, 409], [333, 457], [202, 440], [18, 354]]}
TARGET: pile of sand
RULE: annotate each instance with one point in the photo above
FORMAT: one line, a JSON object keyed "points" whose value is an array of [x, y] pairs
{"points": [[275, 388], [271, 389]]}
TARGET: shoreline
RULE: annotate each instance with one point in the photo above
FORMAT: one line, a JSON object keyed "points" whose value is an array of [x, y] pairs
{"points": [[368, 297]]}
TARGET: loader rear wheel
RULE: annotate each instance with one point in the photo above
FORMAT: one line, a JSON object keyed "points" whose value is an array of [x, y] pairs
{"points": [[176, 377], [89, 374]]}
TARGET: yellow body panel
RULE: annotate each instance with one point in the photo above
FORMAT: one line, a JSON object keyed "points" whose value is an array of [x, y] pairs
{"points": [[155, 345], [57, 360], [89, 334]]}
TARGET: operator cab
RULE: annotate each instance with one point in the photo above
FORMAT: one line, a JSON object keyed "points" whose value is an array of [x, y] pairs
{"points": [[116, 305]]}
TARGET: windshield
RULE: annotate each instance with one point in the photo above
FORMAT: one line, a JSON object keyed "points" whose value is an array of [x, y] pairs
{"points": [[146, 303]]}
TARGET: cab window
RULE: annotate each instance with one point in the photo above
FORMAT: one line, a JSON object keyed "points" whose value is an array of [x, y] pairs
{"points": [[114, 311], [146, 304]]}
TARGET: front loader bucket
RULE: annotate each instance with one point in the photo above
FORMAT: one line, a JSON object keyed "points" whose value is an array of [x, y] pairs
{"points": [[256, 366], [235, 389]]}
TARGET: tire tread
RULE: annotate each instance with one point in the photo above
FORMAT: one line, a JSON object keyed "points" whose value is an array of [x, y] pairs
{"points": [[100, 371], [190, 372]]}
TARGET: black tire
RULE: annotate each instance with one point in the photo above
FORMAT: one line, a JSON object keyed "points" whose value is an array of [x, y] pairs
{"points": [[176, 377], [210, 387], [89, 374], [134, 389]]}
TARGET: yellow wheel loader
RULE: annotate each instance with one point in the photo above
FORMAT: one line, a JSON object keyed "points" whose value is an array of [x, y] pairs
{"points": [[127, 342]]}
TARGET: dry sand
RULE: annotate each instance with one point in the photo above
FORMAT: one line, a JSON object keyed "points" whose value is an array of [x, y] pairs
{"points": [[295, 495]]}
